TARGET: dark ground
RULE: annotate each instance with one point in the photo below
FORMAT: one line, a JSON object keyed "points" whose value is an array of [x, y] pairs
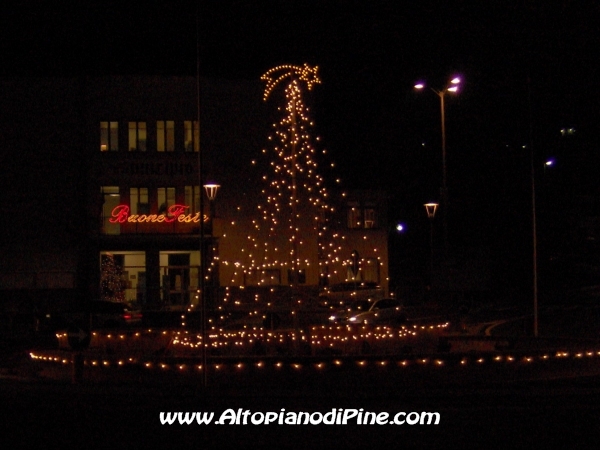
{"points": [[560, 413], [496, 405]]}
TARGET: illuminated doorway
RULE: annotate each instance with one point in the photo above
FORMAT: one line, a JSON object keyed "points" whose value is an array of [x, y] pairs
{"points": [[123, 277], [179, 278]]}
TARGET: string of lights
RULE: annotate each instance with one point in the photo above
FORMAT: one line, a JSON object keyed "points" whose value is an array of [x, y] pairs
{"points": [[295, 209], [179, 351], [345, 339], [316, 363]]}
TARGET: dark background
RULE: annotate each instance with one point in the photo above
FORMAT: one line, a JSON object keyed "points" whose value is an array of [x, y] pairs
{"points": [[529, 70]]}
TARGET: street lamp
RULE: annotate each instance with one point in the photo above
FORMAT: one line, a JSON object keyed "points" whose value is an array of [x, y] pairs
{"points": [[211, 192], [452, 87], [431, 208]]}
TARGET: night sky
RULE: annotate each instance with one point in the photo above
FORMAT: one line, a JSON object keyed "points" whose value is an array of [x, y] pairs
{"points": [[529, 69]]}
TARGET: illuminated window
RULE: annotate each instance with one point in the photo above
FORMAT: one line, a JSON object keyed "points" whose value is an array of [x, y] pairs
{"points": [[369, 218], [324, 276], [110, 200], [360, 216], [165, 135], [166, 198], [370, 269], [271, 277], [191, 135], [297, 277], [137, 136], [138, 201], [192, 198], [109, 136], [354, 216], [123, 277], [180, 272], [268, 277], [567, 131]]}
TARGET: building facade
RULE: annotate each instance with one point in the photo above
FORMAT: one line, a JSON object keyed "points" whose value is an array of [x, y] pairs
{"points": [[120, 173]]}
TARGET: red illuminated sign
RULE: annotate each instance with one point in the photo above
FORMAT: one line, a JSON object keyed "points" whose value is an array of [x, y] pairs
{"points": [[175, 213]]}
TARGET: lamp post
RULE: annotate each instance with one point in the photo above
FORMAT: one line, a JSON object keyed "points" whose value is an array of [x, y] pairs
{"points": [[533, 212], [431, 208], [452, 87], [211, 192], [534, 245]]}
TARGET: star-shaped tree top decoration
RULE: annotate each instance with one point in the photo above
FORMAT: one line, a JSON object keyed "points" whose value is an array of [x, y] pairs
{"points": [[275, 75]]}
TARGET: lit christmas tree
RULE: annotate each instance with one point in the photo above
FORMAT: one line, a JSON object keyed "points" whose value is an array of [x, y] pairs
{"points": [[290, 234], [111, 284]]}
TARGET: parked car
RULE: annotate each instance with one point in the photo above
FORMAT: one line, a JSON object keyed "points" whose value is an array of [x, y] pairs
{"points": [[102, 314], [106, 314], [385, 310]]}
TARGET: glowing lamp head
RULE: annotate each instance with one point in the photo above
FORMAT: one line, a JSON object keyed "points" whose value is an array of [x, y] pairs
{"points": [[419, 86], [549, 163], [431, 208], [211, 190], [453, 85]]}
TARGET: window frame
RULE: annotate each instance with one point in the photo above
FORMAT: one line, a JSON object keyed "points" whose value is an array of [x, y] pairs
{"points": [[192, 198], [191, 136], [361, 216], [138, 194], [137, 133], [109, 136], [165, 136], [167, 194]]}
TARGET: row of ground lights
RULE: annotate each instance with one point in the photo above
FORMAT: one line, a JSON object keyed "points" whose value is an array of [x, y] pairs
{"points": [[436, 362], [319, 335]]}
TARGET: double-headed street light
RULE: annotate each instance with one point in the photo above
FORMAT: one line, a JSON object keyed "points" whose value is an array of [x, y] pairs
{"points": [[452, 87]]}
